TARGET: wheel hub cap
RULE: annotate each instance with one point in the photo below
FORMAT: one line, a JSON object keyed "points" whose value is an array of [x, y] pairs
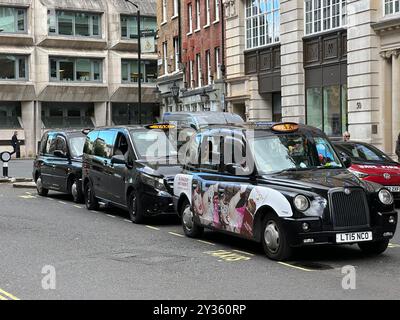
{"points": [[188, 218], [133, 205], [271, 236], [74, 191], [39, 184]]}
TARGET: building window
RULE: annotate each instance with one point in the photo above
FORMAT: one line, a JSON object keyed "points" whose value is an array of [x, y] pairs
{"points": [[217, 63], [69, 23], [327, 108], [67, 115], [164, 11], [130, 72], [128, 113], [198, 65], [176, 53], [176, 8], [209, 71], [216, 10], [262, 22], [129, 26], [75, 69], [198, 16], [191, 74], [13, 20], [165, 57], [208, 16], [13, 67], [190, 19], [10, 113], [324, 15], [392, 6]]}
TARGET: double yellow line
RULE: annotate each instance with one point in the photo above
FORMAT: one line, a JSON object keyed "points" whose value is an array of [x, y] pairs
{"points": [[4, 295]]}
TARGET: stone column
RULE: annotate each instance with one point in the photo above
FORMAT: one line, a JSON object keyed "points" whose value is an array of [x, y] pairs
{"points": [[292, 70], [385, 94], [28, 118], [100, 113], [395, 97]]}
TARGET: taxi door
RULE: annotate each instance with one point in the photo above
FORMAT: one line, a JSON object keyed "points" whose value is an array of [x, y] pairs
{"points": [[235, 187]]}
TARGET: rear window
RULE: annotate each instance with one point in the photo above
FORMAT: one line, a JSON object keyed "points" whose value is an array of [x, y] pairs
{"points": [[360, 152]]}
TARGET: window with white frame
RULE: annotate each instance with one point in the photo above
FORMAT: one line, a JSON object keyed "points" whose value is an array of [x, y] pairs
{"points": [[198, 17], [165, 57], [190, 19], [176, 8], [324, 15], [262, 22], [191, 74], [164, 10], [176, 53], [198, 65], [208, 18], [392, 6], [216, 10], [209, 71], [217, 63]]}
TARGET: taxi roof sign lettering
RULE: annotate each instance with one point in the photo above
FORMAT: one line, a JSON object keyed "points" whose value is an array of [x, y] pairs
{"points": [[285, 127], [161, 126]]}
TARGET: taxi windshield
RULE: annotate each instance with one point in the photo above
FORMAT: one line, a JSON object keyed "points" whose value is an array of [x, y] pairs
{"points": [[152, 144], [76, 146], [293, 152]]}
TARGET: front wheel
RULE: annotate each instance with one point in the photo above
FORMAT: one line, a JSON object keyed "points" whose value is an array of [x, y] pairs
{"points": [[135, 208], [274, 239], [90, 199], [190, 228], [39, 187], [374, 248]]}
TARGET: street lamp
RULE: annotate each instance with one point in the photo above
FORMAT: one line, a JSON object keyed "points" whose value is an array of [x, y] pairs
{"points": [[139, 60], [175, 91], [204, 97]]}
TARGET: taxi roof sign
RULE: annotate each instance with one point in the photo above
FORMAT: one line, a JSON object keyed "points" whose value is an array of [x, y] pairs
{"points": [[285, 127], [161, 126]]}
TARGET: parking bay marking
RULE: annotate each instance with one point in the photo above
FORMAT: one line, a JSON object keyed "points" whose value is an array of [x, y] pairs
{"points": [[176, 234], [79, 207], [28, 197], [153, 228], [228, 256], [294, 267], [7, 295]]}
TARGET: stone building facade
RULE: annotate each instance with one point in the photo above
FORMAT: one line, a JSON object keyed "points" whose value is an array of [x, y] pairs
{"points": [[72, 64], [332, 64]]}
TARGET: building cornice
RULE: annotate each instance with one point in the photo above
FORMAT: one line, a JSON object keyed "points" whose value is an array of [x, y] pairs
{"points": [[386, 25], [388, 54]]}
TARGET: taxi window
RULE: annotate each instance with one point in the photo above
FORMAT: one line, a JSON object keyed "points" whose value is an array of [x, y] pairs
{"points": [[50, 140], [89, 144], [360, 152], [210, 152], [104, 144], [274, 153], [76, 145], [58, 144], [152, 144], [192, 152]]}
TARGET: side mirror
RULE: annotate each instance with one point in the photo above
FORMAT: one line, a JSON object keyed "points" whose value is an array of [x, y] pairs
{"points": [[346, 160], [60, 154], [118, 159], [232, 168]]}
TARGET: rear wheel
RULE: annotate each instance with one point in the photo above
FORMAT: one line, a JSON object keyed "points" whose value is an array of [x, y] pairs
{"points": [[274, 239], [374, 248], [190, 228], [90, 199], [135, 208], [39, 187], [75, 191]]}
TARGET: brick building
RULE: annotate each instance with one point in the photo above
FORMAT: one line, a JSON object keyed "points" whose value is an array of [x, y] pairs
{"points": [[202, 55]]}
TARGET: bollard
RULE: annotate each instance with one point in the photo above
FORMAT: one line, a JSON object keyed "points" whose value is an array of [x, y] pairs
{"points": [[5, 157]]}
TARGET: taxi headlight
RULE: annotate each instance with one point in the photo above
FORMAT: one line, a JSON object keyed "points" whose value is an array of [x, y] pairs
{"points": [[385, 196], [301, 202], [155, 182]]}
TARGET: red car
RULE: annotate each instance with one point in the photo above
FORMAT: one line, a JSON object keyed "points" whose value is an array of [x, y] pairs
{"points": [[371, 164]]}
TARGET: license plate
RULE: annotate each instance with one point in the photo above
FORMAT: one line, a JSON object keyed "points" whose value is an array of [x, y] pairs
{"points": [[393, 188], [353, 237]]}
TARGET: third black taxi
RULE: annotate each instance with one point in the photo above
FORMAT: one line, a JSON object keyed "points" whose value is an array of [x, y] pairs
{"points": [[281, 184]]}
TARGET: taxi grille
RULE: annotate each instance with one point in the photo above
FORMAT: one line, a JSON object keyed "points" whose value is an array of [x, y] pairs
{"points": [[349, 210]]}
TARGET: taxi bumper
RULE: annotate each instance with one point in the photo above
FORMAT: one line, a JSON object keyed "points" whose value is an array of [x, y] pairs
{"points": [[318, 234]]}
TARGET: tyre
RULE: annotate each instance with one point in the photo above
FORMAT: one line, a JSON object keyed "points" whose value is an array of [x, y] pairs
{"points": [[76, 191], [274, 239], [190, 228], [135, 208], [374, 248], [90, 199], [39, 187]]}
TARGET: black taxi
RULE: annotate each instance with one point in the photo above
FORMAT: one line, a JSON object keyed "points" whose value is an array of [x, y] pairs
{"points": [[58, 165], [131, 167], [281, 184]]}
